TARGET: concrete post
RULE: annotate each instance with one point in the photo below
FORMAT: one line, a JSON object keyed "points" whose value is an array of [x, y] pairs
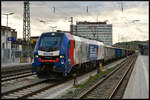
{"points": [[100, 67], [75, 83], [29, 60], [19, 59]]}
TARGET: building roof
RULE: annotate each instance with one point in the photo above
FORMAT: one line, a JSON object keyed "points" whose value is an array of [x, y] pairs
{"points": [[85, 22], [9, 28], [144, 43], [62, 31]]}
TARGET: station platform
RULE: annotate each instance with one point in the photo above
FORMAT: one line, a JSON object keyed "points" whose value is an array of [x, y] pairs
{"points": [[13, 64], [138, 85]]}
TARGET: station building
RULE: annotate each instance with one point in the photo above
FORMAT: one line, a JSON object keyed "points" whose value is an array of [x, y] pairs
{"points": [[14, 47], [144, 48], [12, 36], [100, 31]]}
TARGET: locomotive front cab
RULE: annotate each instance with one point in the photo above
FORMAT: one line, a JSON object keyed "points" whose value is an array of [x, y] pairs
{"points": [[48, 57]]}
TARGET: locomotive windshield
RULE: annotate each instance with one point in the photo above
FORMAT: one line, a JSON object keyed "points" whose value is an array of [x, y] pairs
{"points": [[50, 43]]}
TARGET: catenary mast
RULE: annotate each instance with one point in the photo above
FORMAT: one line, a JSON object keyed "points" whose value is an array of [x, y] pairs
{"points": [[26, 29]]}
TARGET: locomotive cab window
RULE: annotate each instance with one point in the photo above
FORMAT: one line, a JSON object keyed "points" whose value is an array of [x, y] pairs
{"points": [[49, 42]]}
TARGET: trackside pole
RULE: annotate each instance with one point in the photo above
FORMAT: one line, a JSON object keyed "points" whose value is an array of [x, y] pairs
{"points": [[29, 60], [19, 59], [99, 68], [75, 83]]}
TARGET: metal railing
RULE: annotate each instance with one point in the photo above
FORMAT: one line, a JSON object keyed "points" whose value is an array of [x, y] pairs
{"points": [[13, 56]]}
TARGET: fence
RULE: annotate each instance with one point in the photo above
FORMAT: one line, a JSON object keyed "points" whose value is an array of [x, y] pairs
{"points": [[13, 56], [5, 55]]}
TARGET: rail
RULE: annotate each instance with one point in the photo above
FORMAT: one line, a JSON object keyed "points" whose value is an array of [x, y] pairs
{"points": [[103, 81]]}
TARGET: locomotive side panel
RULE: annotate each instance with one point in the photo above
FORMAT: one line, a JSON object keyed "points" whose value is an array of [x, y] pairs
{"points": [[92, 52], [77, 58], [84, 48], [100, 51]]}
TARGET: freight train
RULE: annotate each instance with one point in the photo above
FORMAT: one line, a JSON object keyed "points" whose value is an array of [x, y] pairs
{"points": [[60, 53]]}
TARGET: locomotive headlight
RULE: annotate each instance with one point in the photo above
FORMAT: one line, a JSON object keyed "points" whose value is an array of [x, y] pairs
{"points": [[53, 34], [61, 56], [36, 56]]}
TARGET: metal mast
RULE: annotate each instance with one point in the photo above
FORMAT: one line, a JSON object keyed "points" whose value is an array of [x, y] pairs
{"points": [[26, 27], [71, 29], [26, 21]]}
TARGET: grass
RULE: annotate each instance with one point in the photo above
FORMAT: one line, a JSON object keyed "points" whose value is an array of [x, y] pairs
{"points": [[92, 78], [70, 91]]}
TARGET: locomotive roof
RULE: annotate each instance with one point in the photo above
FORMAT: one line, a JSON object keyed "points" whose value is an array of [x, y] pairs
{"points": [[77, 38], [52, 32], [80, 39]]}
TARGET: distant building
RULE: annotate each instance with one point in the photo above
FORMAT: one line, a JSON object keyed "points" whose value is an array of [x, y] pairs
{"points": [[144, 48], [95, 30], [12, 36]]}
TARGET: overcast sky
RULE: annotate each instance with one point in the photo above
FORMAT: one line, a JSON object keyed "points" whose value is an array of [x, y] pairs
{"points": [[131, 23]]}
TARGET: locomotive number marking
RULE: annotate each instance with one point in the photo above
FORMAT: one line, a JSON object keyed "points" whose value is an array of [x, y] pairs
{"points": [[46, 54]]}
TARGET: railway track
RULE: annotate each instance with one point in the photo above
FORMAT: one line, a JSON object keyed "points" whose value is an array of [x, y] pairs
{"points": [[15, 69], [33, 89], [16, 76], [120, 88], [107, 87], [16, 72], [28, 90]]}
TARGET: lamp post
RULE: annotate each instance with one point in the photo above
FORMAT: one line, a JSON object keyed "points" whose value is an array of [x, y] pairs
{"points": [[7, 27], [6, 53]]}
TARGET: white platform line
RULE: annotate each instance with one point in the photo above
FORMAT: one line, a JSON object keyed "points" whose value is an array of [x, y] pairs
{"points": [[145, 73]]}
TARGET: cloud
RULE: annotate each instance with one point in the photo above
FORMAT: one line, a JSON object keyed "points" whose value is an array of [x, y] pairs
{"points": [[97, 10]]}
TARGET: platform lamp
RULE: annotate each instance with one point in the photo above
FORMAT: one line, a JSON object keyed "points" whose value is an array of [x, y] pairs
{"points": [[11, 13]]}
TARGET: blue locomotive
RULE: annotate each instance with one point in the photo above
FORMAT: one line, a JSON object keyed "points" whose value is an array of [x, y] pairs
{"points": [[60, 53]]}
